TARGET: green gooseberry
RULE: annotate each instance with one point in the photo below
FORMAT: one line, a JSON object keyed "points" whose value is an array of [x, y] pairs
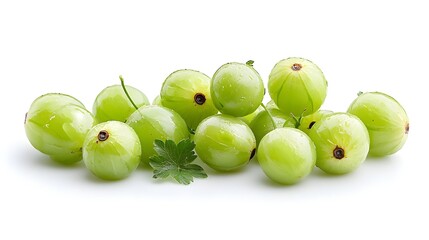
{"points": [[111, 150], [386, 121], [297, 86], [56, 124]]}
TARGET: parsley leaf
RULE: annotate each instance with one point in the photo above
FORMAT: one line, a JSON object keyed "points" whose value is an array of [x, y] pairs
{"points": [[176, 161]]}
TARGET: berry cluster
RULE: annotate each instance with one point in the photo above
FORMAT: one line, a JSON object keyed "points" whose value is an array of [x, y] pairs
{"points": [[223, 120]]}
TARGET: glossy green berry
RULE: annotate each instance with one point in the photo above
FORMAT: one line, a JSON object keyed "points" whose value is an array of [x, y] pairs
{"points": [[286, 155], [386, 121], [308, 121], [111, 150], [237, 89], [188, 93], [113, 104], [155, 122], [342, 143], [56, 125], [224, 142], [263, 124], [297, 86]]}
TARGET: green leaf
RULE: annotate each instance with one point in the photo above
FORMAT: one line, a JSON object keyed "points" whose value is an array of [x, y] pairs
{"points": [[176, 161]]}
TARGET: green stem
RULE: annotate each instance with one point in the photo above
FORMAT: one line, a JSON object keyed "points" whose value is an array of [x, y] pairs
{"points": [[126, 92], [271, 116], [298, 120]]}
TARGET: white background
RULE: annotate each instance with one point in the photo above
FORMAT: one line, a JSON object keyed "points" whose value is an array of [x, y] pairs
{"points": [[80, 47]]}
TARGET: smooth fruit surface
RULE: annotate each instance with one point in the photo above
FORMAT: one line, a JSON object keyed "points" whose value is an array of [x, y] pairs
{"points": [[262, 123], [56, 125], [248, 118], [297, 86], [308, 121], [111, 150], [188, 93], [224, 142], [237, 89], [386, 121], [155, 122], [113, 104], [342, 143], [271, 104], [286, 155]]}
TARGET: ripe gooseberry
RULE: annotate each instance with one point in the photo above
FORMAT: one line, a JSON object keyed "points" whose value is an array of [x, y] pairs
{"points": [[297, 86]]}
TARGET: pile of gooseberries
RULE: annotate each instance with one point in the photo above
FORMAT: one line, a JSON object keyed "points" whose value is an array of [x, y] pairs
{"points": [[223, 121]]}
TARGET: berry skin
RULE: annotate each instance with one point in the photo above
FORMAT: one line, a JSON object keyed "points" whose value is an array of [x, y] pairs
{"points": [[271, 104], [225, 143], [262, 123], [157, 101], [113, 104], [342, 143], [237, 89], [188, 93], [286, 155], [248, 118], [56, 124], [386, 121], [297, 86], [308, 121], [156, 123], [111, 150]]}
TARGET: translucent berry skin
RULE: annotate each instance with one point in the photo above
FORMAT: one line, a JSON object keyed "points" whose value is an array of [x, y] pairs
{"points": [[342, 143], [262, 123], [386, 121], [286, 155], [224, 143], [114, 155], [188, 93], [308, 121], [56, 125], [237, 89], [297, 86], [113, 104], [155, 122]]}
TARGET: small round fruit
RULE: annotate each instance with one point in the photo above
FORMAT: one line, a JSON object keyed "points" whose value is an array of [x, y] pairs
{"points": [[56, 125], [342, 143], [237, 89], [308, 121], [224, 142], [188, 93], [155, 122], [386, 121], [286, 155], [297, 86], [262, 123], [113, 104], [111, 150]]}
